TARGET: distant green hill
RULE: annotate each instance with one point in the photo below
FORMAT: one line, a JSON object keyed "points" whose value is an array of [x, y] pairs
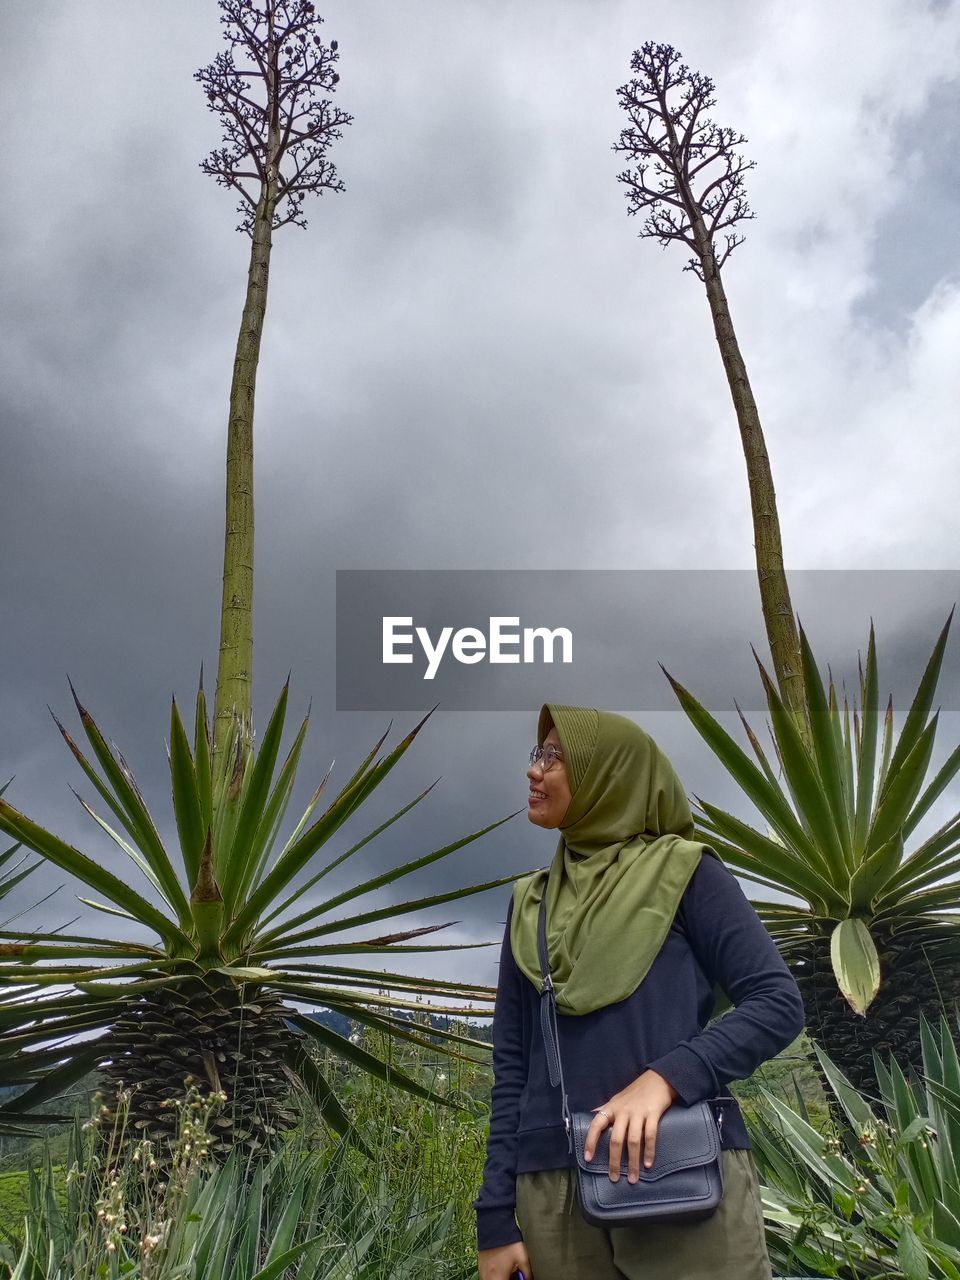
{"points": [[345, 1026]]}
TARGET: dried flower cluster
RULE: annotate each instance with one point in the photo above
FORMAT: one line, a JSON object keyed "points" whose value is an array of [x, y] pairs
{"points": [[687, 173], [269, 89]]}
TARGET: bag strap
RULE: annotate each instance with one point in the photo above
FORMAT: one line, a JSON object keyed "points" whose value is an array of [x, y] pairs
{"points": [[548, 1019], [551, 1034]]}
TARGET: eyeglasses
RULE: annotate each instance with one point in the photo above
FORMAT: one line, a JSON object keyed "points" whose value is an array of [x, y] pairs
{"points": [[546, 757]]}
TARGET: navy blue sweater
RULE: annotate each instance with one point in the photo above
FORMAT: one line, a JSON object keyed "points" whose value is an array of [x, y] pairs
{"points": [[716, 937]]}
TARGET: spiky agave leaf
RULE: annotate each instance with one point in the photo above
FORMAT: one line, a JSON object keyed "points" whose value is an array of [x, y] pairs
{"points": [[12, 873], [870, 924], [897, 1178], [206, 999]]}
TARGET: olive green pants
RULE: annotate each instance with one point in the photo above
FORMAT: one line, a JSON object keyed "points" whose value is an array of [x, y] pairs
{"points": [[562, 1245]]}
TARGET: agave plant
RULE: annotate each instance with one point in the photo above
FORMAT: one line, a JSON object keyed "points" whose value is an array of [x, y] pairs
{"points": [[11, 874], [875, 925], [889, 1205], [236, 938]]}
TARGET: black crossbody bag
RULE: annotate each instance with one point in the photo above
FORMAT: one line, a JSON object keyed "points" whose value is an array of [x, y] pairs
{"points": [[685, 1181]]}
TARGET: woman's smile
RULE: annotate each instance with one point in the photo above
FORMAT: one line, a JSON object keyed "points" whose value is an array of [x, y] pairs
{"points": [[549, 796]]}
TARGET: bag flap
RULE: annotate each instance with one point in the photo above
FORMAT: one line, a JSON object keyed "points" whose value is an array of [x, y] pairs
{"points": [[686, 1137]]}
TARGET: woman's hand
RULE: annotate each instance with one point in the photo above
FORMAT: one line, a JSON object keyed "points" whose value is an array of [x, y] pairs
{"points": [[634, 1113], [500, 1264]]}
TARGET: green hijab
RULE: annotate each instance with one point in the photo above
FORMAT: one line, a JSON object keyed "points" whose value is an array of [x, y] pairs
{"points": [[624, 858]]}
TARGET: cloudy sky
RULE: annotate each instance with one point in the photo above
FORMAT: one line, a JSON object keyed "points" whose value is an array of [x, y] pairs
{"points": [[471, 361]]}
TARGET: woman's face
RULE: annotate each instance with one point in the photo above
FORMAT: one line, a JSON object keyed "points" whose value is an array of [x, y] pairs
{"points": [[549, 796]]}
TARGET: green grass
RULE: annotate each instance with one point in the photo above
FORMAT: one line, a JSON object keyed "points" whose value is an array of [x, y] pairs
{"points": [[428, 1158], [13, 1200]]}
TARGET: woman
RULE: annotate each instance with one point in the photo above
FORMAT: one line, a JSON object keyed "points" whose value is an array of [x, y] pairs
{"points": [[642, 922]]}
